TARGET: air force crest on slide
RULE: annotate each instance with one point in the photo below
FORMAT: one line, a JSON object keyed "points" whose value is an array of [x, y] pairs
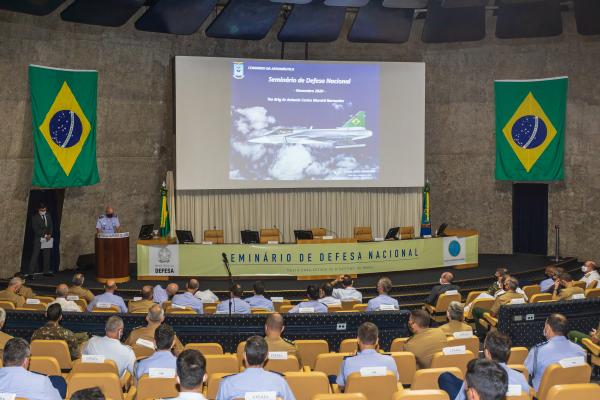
{"points": [[238, 70], [529, 132]]}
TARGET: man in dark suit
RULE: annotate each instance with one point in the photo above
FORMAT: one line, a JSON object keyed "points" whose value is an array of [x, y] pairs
{"points": [[444, 286], [41, 224]]}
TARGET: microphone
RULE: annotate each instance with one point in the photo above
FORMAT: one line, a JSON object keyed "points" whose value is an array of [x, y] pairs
{"points": [[226, 262]]}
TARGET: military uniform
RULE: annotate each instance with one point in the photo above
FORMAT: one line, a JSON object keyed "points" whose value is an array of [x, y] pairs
{"points": [[108, 225], [83, 293], [425, 344], [281, 344], [53, 331], [375, 303], [493, 288], [254, 380], [3, 339], [567, 293], [365, 358], [9, 295], [140, 305], [26, 292], [503, 300], [147, 333], [577, 337], [455, 326]]}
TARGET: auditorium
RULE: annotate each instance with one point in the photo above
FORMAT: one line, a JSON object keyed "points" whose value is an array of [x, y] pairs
{"points": [[299, 199]]}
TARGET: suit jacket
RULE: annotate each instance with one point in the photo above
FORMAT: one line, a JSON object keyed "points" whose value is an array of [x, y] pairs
{"points": [[39, 228], [439, 289]]}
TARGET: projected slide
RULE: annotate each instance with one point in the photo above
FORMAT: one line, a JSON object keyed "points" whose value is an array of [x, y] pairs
{"points": [[304, 121]]}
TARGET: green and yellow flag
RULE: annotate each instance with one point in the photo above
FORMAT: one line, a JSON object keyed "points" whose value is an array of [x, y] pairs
{"points": [[165, 224], [63, 108], [530, 129]]}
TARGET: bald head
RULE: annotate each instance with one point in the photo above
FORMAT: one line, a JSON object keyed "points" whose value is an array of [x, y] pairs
{"points": [[147, 292], [447, 277], [274, 325], [172, 289], [156, 314], [110, 285], [62, 290], [192, 285]]}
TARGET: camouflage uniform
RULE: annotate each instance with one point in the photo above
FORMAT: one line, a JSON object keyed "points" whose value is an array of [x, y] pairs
{"points": [[53, 331]]}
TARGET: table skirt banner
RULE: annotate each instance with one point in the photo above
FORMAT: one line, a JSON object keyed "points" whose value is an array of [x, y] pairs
{"points": [[305, 259]]}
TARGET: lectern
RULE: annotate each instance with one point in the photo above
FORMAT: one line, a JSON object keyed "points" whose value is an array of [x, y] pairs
{"points": [[112, 257]]}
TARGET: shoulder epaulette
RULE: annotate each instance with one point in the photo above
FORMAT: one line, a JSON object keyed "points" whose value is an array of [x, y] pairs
{"points": [[350, 356], [227, 376], [541, 344]]}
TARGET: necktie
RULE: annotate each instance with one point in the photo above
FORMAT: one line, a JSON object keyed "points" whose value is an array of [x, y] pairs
{"points": [[44, 218]]}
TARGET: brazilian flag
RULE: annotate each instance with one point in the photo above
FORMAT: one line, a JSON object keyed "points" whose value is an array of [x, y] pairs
{"points": [[530, 129], [63, 108], [165, 223]]}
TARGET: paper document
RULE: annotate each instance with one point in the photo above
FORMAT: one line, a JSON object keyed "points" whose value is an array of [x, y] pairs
{"points": [[47, 244]]}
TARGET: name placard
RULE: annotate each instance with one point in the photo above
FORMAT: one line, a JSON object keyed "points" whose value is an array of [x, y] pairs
{"points": [[514, 390], [137, 298], [103, 305], [451, 292], [32, 301], [207, 242], [572, 362], [145, 343], [373, 371], [260, 396], [93, 358], [463, 335], [453, 350], [272, 242], [387, 307], [517, 301], [173, 305], [328, 237], [72, 298], [278, 355], [161, 372], [578, 296], [277, 299], [306, 310]]}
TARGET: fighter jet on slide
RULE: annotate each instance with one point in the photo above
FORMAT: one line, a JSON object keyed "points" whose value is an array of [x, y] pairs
{"points": [[342, 137]]}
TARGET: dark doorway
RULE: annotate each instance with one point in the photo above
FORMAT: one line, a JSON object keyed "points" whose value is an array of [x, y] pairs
{"points": [[53, 199], [530, 218]]}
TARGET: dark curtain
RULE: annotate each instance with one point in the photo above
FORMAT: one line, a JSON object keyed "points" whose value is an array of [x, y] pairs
{"points": [[530, 218]]}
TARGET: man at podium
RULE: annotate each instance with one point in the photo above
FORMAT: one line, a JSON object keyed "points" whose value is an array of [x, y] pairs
{"points": [[109, 222]]}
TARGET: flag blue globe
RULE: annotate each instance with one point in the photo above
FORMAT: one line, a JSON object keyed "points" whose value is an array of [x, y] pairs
{"points": [[454, 248], [529, 131], [65, 128]]}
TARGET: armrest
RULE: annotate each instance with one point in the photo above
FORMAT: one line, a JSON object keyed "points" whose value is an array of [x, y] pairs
{"points": [[591, 346], [335, 388], [126, 380], [306, 368], [491, 320], [429, 308], [130, 395]]}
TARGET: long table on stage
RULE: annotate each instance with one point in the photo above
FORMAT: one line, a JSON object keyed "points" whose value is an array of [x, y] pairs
{"points": [[157, 259]]}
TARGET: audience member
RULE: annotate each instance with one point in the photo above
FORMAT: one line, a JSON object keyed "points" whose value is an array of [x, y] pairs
{"points": [[144, 304], [10, 293], [187, 299], [445, 285], [367, 355], [574, 336], [485, 380], [254, 378], [547, 283], [259, 300], [555, 276], [384, 286], [24, 291], [510, 287], [164, 338], [312, 305], [94, 393], [3, 336], [496, 347], [62, 291], [502, 290], [161, 295], [553, 350], [16, 379], [425, 341], [456, 316], [347, 292], [206, 296], [53, 331], [191, 374], [155, 317], [564, 288], [273, 329], [590, 274], [110, 346], [498, 279], [109, 297], [326, 295], [234, 304], [78, 290]]}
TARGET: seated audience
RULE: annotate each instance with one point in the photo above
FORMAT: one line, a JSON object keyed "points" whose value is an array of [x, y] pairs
{"points": [[3, 336], [160, 295], [164, 338], [555, 276], [498, 279], [547, 283], [238, 306], [485, 380], [273, 329], [496, 347], [384, 286], [254, 378], [367, 355], [553, 350], [191, 374], [326, 295], [425, 341], [456, 316], [53, 331], [10, 293], [155, 317], [510, 293], [109, 297], [443, 287], [206, 296], [574, 336], [259, 300], [24, 291], [16, 379], [145, 303], [564, 288], [590, 274], [347, 292], [313, 302], [62, 291], [77, 288], [187, 299], [501, 291], [94, 393], [110, 346]]}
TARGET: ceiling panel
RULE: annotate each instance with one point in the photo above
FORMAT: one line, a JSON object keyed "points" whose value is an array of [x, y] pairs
{"points": [[378, 24], [181, 17]]}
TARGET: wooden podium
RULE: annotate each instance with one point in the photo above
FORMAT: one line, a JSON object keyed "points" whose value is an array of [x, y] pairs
{"points": [[112, 257]]}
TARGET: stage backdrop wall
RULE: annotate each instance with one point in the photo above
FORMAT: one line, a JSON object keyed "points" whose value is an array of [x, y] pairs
{"points": [[338, 210]]}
